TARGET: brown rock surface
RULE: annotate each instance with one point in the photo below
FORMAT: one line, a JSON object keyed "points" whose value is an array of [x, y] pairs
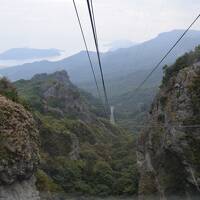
{"points": [[19, 152]]}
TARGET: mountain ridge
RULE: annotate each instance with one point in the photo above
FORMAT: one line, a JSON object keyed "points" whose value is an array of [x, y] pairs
{"points": [[28, 53], [115, 64]]}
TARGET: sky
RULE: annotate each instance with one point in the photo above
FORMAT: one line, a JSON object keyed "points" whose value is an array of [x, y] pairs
{"points": [[53, 23]]}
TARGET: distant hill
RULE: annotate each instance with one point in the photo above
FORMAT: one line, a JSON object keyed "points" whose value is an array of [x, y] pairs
{"points": [[119, 44], [116, 64], [28, 53]]}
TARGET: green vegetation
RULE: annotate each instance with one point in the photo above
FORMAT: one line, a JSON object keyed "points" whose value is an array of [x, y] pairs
{"points": [[184, 61], [195, 93], [105, 165], [161, 118], [31, 93], [79, 155], [148, 185], [45, 183], [131, 108], [163, 101], [8, 90]]}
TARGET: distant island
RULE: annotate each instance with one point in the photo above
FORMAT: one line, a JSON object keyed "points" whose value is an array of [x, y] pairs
{"points": [[28, 53]]}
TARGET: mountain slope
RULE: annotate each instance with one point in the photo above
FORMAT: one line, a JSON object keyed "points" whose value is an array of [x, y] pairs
{"points": [[116, 64], [54, 94], [168, 149], [82, 153]]}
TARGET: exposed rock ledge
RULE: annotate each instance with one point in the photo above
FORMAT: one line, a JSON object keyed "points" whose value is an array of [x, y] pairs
{"points": [[24, 190]]}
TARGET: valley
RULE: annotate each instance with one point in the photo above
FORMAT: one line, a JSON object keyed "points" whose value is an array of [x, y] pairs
{"points": [[83, 156]]}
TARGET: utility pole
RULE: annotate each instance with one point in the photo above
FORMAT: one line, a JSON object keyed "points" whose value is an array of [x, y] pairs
{"points": [[112, 118]]}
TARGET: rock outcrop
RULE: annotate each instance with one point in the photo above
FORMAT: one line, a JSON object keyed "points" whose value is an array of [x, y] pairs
{"points": [[168, 150], [23, 190], [54, 94], [19, 152]]}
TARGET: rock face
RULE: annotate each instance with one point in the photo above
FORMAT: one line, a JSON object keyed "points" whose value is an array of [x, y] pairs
{"points": [[54, 94], [24, 190], [168, 151], [19, 152]]}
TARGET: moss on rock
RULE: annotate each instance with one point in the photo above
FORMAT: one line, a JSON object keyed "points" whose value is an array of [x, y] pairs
{"points": [[19, 152]]}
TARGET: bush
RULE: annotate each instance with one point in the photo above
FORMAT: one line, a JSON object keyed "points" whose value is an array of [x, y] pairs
{"points": [[161, 118], [184, 61], [194, 90], [8, 90], [163, 101], [45, 184], [102, 190], [103, 173], [83, 188]]}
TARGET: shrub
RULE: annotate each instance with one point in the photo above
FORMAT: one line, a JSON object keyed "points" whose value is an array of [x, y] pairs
{"points": [[163, 101], [45, 184], [8, 90], [182, 62], [161, 118]]}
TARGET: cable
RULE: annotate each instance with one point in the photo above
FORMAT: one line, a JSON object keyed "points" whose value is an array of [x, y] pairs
{"points": [[97, 49], [156, 124], [174, 126], [94, 22], [149, 75], [86, 47], [138, 126], [88, 54]]}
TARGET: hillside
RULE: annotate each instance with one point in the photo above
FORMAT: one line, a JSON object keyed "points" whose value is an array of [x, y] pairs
{"points": [[82, 154], [169, 146], [54, 94], [116, 64], [131, 108]]}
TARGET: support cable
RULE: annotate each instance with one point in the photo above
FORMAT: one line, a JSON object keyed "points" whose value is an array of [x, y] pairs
{"points": [[87, 51], [92, 20]]}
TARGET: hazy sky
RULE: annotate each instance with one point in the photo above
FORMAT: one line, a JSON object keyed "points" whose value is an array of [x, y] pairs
{"points": [[53, 24]]}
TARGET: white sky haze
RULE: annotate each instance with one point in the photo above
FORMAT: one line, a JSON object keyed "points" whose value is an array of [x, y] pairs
{"points": [[53, 24]]}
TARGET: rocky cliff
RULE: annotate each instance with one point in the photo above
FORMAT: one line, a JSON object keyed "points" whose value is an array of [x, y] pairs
{"points": [[54, 94], [19, 152], [168, 149]]}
